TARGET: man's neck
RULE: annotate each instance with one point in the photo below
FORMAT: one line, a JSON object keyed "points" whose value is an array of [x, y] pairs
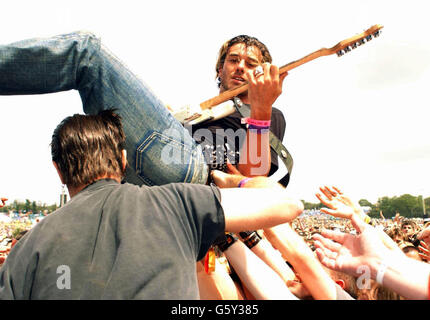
{"points": [[75, 190]]}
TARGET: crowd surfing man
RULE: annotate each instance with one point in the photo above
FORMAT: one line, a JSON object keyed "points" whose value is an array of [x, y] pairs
{"points": [[159, 149], [122, 241]]}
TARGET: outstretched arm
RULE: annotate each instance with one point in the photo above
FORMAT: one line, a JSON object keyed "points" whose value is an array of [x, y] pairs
{"points": [[341, 206], [262, 204], [351, 253], [297, 252], [262, 281]]}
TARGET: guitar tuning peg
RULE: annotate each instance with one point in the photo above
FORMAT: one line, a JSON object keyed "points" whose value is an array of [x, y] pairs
{"points": [[369, 37], [360, 42], [377, 33], [347, 49], [354, 45], [340, 53]]}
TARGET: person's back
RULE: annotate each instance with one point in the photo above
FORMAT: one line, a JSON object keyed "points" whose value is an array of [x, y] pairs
{"points": [[114, 241]]}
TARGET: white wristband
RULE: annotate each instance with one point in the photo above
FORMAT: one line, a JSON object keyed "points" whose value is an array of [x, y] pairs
{"points": [[381, 272]]}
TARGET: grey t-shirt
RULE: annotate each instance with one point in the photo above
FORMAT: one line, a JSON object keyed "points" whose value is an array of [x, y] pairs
{"points": [[117, 241]]}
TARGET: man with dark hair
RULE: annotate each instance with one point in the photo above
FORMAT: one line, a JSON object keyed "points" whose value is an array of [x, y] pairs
{"points": [[80, 61], [122, 241], [246, 59], [83, 168]]}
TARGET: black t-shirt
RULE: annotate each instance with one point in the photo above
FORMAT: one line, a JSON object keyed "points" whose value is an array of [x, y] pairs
{"points": [[235, 137], [117, 241]]}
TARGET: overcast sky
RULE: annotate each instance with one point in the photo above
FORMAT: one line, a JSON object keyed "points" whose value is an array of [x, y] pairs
{"points": [[359, 122]]}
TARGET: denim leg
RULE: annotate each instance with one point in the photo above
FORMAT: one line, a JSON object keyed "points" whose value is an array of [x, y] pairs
{"points": [[159, 149]]}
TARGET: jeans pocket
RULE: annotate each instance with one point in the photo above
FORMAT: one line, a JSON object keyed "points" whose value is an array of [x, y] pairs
{"points": [[162, 159]]}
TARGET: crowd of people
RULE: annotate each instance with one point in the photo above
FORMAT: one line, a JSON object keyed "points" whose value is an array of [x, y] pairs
{"points": [[155, 214], [218, 278]]}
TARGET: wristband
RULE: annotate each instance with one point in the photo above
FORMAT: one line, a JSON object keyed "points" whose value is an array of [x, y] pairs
{"points": [[250, 238], [242, 182], [381, 272], [255, 122], [258, 129], [228, 241]]}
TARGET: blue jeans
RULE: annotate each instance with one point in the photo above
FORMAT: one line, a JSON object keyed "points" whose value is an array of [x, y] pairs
{"points": [[159, 149]]}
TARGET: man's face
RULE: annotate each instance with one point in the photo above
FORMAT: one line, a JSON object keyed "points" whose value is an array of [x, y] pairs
{"points": [[407, 229], [239, 60]]}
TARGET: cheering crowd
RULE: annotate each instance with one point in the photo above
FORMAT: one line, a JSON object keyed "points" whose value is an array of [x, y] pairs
{"points": [[218, 278]]}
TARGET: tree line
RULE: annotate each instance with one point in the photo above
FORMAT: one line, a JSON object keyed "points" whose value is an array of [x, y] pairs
{"points": [[27, 206], [407, 205]]}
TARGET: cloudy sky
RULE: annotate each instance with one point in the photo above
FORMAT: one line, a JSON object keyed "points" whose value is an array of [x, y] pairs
{"points": [[359, 122]]}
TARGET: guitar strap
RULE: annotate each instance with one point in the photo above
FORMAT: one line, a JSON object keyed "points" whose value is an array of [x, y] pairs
{"points": [[275, 143]]}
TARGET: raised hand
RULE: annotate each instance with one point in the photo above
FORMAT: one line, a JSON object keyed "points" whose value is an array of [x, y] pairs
{"points": [[338, 205], [425, 236], [345, 252], [263, 90], [424, 251]]}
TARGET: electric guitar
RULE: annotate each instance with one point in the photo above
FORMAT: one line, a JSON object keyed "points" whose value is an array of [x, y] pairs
{"points": [[221, 106]]}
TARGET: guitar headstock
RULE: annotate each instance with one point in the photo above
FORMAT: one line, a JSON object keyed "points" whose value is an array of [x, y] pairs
{"points": [[341, 48], [347, 45]]}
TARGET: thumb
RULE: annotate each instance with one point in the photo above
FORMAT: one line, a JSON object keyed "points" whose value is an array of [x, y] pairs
{"points": [[358, 223], [220, 178]]}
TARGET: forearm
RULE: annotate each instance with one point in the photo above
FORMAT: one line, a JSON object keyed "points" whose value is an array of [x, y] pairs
{"points": [[272, 257], [406, 276], [259, 278], [255, 159], [217, 285], [252, 209], [300, 256]]}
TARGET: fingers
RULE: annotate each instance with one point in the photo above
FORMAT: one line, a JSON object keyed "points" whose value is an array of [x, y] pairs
{"points": [[270, 74], [329, 193], [336, 236], [232, 169], [424, 245], [424, 248], [282, 76], [423, 234], [323, 201], [329, 263], [326, 240], [337, 190], [328, 211], [220, 178]]}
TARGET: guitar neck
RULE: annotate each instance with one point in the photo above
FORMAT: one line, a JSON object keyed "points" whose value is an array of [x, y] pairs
{"points": [[341, 48], [229, 94]]}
